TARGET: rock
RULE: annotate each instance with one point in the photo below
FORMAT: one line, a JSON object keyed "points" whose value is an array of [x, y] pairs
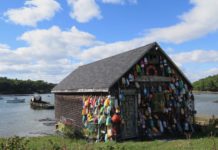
{"points": [[46, 119], [215, 101]]}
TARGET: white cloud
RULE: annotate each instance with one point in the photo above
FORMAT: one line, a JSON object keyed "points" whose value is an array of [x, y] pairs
{"points": [[199, 21], [50, 55], [53, 43], [4, 46], [197, 73], [105, 50], [119, 1], [197, 64], [197, 56], [212, 71], [84, 10], [33, 12]]}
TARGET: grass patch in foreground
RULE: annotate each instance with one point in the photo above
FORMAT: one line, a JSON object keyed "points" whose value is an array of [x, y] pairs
{"points": [[59, 143]]}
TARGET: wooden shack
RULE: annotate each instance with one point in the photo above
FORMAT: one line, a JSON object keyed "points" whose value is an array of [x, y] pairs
{"points": [[152, 94]]}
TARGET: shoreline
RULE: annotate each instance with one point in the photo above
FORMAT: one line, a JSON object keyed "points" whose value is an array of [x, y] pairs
{"points": [[203, 119], [205, 92], [205, 116], [22, 94]]}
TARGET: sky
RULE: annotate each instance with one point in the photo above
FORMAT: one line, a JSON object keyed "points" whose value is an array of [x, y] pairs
{"points": [[48, 39]]}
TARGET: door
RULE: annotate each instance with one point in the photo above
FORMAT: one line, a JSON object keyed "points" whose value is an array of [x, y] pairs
{"points": [[129, 115]]}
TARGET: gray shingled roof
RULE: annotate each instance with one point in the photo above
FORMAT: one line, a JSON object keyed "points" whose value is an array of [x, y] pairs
{"points": [[102, 74], [99, 76]]}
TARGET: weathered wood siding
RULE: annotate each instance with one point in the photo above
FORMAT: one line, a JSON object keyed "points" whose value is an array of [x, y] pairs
{"points": [[69, 106]]}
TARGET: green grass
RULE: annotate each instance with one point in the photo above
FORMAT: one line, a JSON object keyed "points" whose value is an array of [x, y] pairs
{"points": [[44, 143]]}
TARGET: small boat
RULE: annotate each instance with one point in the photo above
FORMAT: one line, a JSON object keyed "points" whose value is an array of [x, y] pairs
{"points": [[16, 100], [41, 105], [1, 98], [37, 103]]}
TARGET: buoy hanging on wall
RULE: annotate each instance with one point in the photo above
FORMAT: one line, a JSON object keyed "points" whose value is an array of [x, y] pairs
{"points": [[131, 77], [139, 98], [145, 92], [137, 85]]}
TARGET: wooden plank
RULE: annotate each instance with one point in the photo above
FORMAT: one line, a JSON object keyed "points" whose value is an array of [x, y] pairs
{"points": [[153, 79]]}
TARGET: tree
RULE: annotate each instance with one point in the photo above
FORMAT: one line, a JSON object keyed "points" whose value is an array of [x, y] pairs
{"points": [[15, 86], [207, 84]]}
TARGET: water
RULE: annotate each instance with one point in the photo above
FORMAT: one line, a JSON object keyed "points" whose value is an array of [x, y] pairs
{"points": [[19, 119], [205, 106]]}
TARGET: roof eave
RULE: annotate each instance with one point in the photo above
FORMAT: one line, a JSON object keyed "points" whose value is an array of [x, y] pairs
{"points": [[103, 90]]}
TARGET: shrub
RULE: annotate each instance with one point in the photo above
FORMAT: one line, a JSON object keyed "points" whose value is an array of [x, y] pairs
{"points": [[15, 143], [72, 132]]}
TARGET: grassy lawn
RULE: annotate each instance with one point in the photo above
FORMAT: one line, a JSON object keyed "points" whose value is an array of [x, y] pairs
{"points": [[55, 142]]}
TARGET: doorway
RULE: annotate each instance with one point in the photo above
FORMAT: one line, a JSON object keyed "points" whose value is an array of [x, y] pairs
{"points": [[129, 115]]}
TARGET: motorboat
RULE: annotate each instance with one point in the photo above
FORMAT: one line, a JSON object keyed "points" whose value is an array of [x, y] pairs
{"points": [[16, 100]]}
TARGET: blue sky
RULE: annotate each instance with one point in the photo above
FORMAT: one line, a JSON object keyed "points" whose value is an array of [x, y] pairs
{"points": [[47, 39]]}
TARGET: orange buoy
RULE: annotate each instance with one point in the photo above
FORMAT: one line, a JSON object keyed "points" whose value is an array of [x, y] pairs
{"points": [[116, 118]]}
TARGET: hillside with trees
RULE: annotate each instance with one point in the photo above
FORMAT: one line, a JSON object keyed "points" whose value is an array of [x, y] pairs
{"points": [[207, 84], [15, 86]]}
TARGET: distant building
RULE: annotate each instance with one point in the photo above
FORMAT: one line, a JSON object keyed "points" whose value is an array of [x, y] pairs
{"points": [[152, 93]]}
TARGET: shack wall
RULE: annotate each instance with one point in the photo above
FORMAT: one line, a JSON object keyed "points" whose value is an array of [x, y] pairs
{"points": [[69, 106]]}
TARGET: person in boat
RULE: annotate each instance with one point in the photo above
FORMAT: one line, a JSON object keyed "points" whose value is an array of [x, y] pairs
{"points": [[36, 98]]}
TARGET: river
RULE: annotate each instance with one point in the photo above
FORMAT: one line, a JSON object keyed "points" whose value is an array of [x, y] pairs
{"points": [[19, 119]]}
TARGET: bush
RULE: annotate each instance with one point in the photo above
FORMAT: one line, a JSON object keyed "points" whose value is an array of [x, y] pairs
{"points": [[213, 122], [72, 132], [209, 129], [15, 143]]}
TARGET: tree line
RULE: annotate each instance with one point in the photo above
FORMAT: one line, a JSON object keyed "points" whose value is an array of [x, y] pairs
{"points": [[15, 86], [207, 84]]}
